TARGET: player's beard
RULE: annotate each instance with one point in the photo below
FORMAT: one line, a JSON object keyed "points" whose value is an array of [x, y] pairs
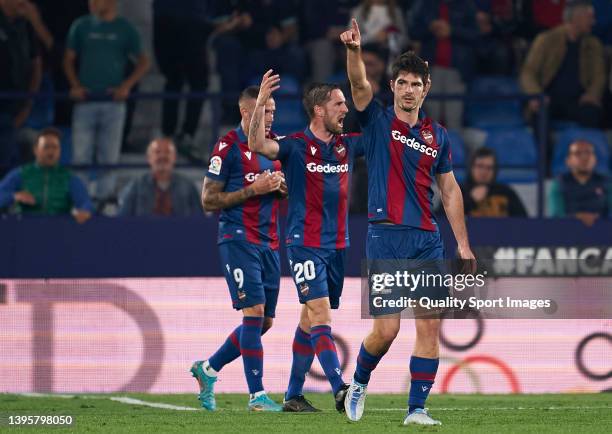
{"points": [[333, 127], [408, 107]]}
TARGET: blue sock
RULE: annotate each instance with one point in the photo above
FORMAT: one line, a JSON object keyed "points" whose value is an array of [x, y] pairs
{"points": [[325, 349], [423, 373], [303, 355], [366, 363], [252, 352], [228, 352]]}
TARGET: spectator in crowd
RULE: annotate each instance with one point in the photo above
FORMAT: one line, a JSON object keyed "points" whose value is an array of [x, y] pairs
{"points": [[382, 22], [321, 23], [59, 15], [541, 15], [20, 71], [251, 38], [447, 32], [104, 44], [44, 187], [567, 63], [483, 196], [581, 192], [179, 39], [494, 46], [160, 192]]}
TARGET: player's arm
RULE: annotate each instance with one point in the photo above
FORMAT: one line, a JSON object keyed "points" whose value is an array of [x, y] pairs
{"points": [[257, 130], [452, 200], [361, 90], [214, 198]]}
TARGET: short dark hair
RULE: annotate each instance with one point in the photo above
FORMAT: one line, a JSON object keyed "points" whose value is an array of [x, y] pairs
{"points": [[250, 92], [49, 131], [317, 94], [479, 153], [410, 62]]}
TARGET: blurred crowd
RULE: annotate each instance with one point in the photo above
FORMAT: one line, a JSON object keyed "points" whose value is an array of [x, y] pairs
{"points": [[89, 51]]}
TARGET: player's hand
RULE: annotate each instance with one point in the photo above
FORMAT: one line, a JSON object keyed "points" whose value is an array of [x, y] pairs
{"points": [[352, 37], [283, 190], [24, 197], [81, 215], [269, 83], [468, 260], [266, 183]]}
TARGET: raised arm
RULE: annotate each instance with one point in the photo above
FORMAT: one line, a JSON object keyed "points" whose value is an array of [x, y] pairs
{"points": [[257, 130], [453, 206], [214, 198], [361, 89]]}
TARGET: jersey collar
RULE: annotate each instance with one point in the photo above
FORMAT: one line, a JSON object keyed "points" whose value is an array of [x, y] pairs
{"points": [[240, 133], [422, 121], [311, 136]]}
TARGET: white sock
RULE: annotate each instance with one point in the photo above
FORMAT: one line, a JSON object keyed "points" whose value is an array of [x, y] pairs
{"points": [[258, 394], [208, 370]]}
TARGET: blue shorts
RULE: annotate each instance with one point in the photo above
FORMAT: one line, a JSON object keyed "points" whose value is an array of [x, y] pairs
{"points": [[317, 273], [252, 273], [401, 242], [393, 248]]}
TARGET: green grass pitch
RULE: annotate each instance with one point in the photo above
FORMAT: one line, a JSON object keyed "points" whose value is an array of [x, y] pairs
{"points": [[581, 413]]}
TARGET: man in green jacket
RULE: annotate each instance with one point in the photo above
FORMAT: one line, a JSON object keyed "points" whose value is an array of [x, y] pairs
{"points": [[567, 63], [44, 187]]}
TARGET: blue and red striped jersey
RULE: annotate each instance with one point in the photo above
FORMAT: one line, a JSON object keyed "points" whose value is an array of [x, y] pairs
{"points": [[318, 178], [256, 219], [402, 164]]}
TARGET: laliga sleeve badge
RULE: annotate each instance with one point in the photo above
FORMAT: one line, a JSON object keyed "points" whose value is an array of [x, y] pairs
{"points": [[215, 165]]}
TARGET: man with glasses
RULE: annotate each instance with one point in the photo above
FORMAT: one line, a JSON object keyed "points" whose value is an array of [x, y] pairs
{"points": [[581, 192]]}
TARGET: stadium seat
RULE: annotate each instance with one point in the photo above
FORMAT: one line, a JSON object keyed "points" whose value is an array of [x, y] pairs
{"points": [[567, 136], [491, 114], [516, 151]]}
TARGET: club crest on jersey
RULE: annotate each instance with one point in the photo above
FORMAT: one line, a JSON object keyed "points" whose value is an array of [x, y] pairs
{"points": [[215, 165], [313, 150], [427, 136], [340, 149], [248, 154]]}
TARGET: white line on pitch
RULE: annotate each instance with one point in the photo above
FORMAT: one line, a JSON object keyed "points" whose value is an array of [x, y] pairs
{"points": [[132, 401]]}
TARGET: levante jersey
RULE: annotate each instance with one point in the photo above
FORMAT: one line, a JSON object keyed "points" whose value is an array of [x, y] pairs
{"points": [[402, 163], [318, 178], [256, 219]]}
